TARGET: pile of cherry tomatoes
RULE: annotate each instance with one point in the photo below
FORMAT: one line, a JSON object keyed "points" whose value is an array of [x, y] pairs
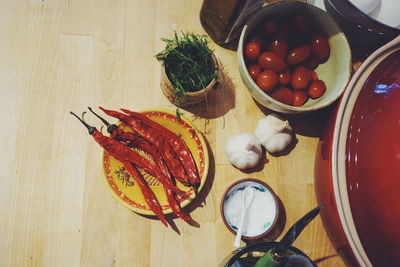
{"points": [[281, 57]]}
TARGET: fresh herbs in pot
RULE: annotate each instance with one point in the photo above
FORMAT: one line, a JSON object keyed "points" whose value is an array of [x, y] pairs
{"points": [[189, 63]]}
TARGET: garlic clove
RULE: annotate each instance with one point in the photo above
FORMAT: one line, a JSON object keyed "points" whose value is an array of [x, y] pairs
{"points": [[275, 134], [250, 145], [241, 161], [277, 142], [243, 150]]}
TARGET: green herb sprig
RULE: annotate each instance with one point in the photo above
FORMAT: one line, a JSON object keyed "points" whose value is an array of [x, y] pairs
{"points": [[188, 62]]}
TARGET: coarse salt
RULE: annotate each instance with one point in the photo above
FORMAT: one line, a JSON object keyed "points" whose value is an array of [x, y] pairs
{"points": [[259, 216]]}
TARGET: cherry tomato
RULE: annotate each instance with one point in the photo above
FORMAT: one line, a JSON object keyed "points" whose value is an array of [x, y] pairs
{"points": [[258, 40], [283, 94], [316, 89], [299, 97], [319, 46], [296, 41], [252, 51], [298, 55], [269, 27], [301, 77], [284, 77], [254, 70], [270, 60], [279, 45], [314, 75], [267, 80], [311, 62], [300, 24]]}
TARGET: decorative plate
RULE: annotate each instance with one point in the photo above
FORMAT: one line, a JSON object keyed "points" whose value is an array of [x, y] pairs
{"points": [[124, 188]]}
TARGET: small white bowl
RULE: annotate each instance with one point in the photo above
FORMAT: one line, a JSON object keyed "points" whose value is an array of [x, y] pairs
{"points": [[273, 207], [335, 72]]}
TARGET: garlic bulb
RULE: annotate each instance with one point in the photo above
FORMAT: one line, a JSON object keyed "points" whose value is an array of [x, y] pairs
{"points": [[243, 150], [274, 133]]}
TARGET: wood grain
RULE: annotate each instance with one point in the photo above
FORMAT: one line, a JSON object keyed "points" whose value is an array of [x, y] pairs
{"points": [[55, 210]]}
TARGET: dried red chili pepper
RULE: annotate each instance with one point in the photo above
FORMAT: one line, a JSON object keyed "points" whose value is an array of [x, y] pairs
{"points": [[148, 195], [123, 153], [153, 136], [135, 140], [115, 150], [176, 143]]}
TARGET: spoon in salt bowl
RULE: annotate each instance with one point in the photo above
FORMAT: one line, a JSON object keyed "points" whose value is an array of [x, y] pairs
{"points": [[248, 196]]}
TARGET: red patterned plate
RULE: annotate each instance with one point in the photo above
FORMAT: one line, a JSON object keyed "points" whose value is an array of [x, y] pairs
{"points": [[123, 187]]}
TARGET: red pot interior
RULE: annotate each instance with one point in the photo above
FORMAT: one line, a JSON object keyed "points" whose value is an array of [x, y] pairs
{"points": [[373, 163], [358, 165]]}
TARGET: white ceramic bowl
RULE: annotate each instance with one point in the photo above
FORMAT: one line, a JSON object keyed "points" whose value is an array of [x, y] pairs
{"points": [[271, 207], [335, 72]]}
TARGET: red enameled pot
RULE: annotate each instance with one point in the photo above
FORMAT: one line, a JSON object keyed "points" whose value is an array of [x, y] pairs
{"points": [[358, 164]]}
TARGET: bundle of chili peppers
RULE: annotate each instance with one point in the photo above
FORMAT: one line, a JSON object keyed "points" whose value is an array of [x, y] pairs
{"points": [[171, 158]]}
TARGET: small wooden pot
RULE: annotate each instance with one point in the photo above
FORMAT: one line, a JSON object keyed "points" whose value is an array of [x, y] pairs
{"points": [[189, 98]]}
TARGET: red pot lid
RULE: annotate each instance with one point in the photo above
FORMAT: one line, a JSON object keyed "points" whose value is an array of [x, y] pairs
{"points": [[368, 159]]}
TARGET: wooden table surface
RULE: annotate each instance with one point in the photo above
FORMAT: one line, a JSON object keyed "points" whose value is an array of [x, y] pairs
{"points": [[55, 209]]}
